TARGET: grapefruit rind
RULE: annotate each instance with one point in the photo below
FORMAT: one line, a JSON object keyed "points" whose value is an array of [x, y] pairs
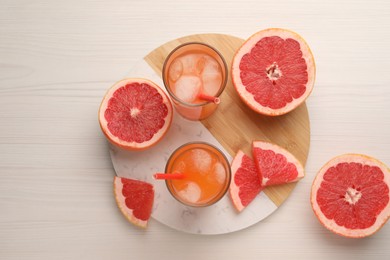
{"points": [[246, 47], [120, 200], [134, 145], [331, 224], [279, 150]]}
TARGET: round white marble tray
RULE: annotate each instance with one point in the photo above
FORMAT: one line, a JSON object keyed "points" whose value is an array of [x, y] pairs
{"points": [[291, 131]]}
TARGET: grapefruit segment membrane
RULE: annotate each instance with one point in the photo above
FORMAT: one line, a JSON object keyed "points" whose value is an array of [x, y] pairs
{"points": [[134, 199], [275, 165], [135, 114], [350, 195], [245, 184], [273, 71]]}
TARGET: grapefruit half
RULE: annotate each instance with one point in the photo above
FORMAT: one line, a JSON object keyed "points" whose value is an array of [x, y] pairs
{"points": [[245, 185], [275, 165], [135, 114], [135, 199], [274, 71], [350, 195]]}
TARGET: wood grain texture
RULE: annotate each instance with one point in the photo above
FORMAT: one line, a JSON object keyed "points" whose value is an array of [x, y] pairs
{"points": [[235, 125], [57, 60]]}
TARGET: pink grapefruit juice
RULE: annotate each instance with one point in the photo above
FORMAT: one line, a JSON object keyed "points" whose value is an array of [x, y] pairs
{"points": [[206, 174], [190, 71]]}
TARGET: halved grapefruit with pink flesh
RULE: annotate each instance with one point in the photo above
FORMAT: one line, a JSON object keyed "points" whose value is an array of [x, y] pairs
{"points": [[350, 195], [135, 199], [245, 184], [274, 71], [135, 114], [275, 165]]}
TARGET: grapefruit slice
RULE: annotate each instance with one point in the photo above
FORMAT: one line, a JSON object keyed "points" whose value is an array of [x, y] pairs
{"points": [[350, 195], [135, 114], [273, 71], [135, 199], [275, 165], [245, 185]]}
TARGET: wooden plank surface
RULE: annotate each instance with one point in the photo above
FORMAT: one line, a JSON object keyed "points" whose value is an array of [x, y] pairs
{"points": [[58, 58], [235, 125]]}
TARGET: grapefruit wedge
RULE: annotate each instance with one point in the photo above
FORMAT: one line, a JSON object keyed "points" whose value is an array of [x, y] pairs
{"points": [[245, 185], [273, 71], [135, 114], [275, 165], [134, 199], [350, 195]]}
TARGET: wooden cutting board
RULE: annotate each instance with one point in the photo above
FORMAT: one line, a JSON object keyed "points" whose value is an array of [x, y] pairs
{"points": [[235, 125]]}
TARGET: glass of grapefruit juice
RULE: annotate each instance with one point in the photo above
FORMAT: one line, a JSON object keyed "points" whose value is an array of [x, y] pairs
{"points": [[195, 75], [206, 174]]}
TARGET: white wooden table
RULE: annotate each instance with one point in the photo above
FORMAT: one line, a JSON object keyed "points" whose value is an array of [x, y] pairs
{"points": [[57, 58]]}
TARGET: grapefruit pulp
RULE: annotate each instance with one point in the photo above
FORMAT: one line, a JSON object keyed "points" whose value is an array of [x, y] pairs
{"points": [[275, 165], [135, 199], [273, 72], [350, 195], [245, 185], [135, 114]]}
